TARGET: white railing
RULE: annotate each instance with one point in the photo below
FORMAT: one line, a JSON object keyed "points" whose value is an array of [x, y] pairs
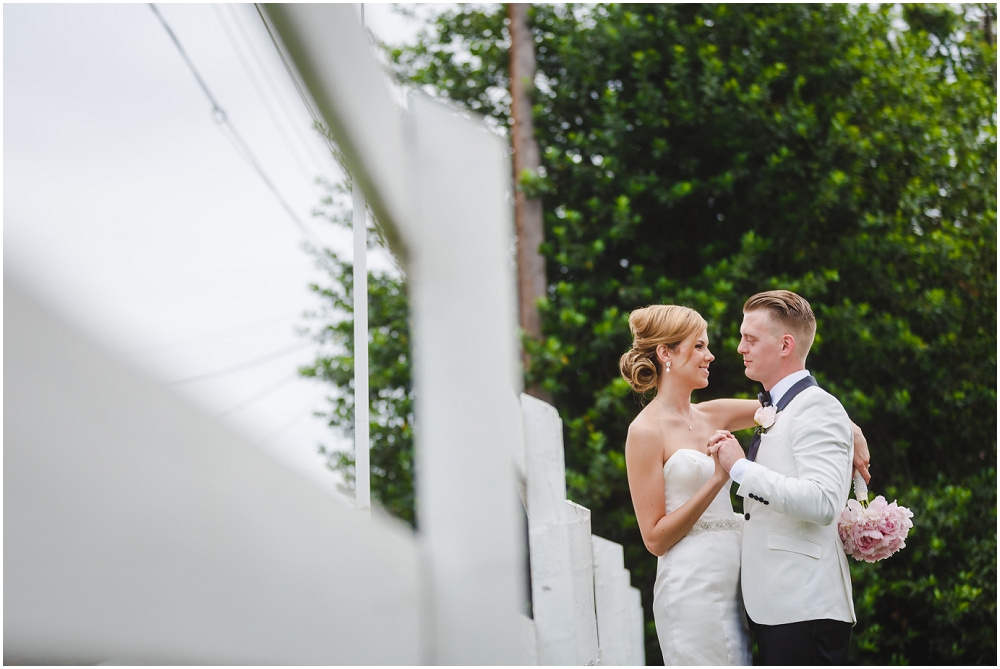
{"points": [[139, 530]]}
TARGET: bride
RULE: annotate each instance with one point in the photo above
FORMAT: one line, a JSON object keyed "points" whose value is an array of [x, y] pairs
{"points": [[681, 494]]}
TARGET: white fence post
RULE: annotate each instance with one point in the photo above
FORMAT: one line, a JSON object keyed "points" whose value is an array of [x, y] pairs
{"points": [[637, 627], [617, 615], [464, 354], [362, 429], [436, 179], [562, 572]]}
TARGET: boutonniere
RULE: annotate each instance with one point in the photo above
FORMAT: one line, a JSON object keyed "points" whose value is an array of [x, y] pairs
{"points": [[764, 418]]}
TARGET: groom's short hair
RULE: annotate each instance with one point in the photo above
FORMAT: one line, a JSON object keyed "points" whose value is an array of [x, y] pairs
{"points": [[790, 311]]}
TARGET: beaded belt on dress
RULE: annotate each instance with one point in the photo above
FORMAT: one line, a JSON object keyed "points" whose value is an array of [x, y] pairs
{"points": [[716, 525]]}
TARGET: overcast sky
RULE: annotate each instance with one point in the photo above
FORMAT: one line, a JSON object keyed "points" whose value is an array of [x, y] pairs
{"points": [[129, 213]]}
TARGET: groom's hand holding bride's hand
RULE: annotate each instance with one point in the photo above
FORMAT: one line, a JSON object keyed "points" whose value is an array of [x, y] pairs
{"points": [[723, 446], [720, 475]]}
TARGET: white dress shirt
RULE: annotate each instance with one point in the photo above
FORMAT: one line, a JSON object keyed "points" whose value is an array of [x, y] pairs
{"points": [[777, 392]]}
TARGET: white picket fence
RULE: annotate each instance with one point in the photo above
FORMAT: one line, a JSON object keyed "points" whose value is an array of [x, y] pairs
{"points": [[137, 529], [585, 610]]}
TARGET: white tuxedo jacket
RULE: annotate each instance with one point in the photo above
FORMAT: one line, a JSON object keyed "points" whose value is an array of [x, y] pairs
{"points": [[794, 567]]}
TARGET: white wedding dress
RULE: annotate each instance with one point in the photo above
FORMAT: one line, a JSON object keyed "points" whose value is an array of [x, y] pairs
{"points": [[697, 602]]}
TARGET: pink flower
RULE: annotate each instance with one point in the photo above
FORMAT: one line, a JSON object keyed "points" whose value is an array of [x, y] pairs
{"points": [[895, 524], [869, 544], [765, 416], [873, 532], [845, 530], [866, 535]]}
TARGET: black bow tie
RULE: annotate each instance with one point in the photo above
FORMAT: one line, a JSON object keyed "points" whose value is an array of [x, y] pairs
{"points": [[764, 398]]}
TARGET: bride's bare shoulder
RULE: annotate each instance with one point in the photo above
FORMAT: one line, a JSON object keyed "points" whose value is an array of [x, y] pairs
{"points": [[644, 430]]}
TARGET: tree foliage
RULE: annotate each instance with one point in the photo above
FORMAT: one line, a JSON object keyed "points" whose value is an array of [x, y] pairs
{"points": [[697, 154], [935, 601]]}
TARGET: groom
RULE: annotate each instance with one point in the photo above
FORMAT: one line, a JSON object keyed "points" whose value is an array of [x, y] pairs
{"points": [[795, 481]]}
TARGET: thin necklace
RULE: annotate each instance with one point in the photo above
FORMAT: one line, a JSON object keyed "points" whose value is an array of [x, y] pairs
{"points": [[675, 413]]}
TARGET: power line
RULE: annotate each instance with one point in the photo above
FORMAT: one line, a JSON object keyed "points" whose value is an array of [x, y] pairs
{"points": [[226, 371], [284, 428], [220, 117], [260, 93], [289, 114], [241, 146], [222, 334], [291, 73], [253, 399], [201, 82]]}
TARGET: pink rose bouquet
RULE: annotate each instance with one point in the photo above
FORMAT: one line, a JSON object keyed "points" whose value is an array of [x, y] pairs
{"points": [[872, 531]]}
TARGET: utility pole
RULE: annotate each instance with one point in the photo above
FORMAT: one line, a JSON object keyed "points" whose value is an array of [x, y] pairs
{"points": [[989, 28], [531, 282], [362, 441], [989, 17]]}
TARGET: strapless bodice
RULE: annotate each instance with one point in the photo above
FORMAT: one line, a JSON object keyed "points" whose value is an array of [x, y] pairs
{"points": [[684, 474]]}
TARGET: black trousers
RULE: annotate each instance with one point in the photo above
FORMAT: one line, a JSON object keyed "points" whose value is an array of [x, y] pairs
{"points": [[803, 643]]}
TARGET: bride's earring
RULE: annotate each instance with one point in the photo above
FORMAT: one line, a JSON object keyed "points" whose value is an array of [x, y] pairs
{"points": [[667, 366]]}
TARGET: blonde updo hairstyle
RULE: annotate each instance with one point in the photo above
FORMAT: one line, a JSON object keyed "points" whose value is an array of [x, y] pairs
{"points": [[652, 326]]}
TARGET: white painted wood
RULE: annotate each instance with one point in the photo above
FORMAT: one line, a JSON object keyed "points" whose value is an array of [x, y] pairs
{"points": [[529, 639], [140, 530], [562, 573], [520, 451], [638, 641], [545, 461], [611, 584], [362, 428], [436, 179], [464, 356], [583, 610]]}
